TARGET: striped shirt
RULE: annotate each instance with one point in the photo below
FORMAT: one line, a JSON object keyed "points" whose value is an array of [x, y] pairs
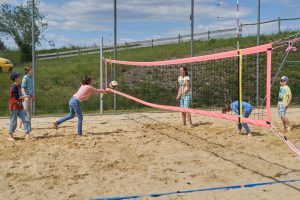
{"points": [[27, 85]]}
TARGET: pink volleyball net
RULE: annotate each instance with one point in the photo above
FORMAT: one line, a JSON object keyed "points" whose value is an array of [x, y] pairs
{"points": [[216, 80]]}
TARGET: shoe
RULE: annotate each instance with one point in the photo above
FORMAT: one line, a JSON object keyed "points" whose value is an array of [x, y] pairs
{"points": [[249, 134], [289, 128], [55, 124]]}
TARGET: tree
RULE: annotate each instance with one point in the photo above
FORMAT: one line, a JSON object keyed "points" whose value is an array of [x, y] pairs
{"points": [[2, 45], [16, 22]]}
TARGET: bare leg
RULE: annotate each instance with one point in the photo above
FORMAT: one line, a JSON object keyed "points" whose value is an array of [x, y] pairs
{"points": [[283, 122], [183, 114], [287, 123], [189, 118]]}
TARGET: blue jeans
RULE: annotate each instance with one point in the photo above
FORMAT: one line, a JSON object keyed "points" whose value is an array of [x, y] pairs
{"points": [[246, 114], [14, 114], [74, 105]]}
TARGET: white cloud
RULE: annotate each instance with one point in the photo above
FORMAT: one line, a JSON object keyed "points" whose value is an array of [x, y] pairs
{"points": [[61, 40], [72, 15], [89, 17]]}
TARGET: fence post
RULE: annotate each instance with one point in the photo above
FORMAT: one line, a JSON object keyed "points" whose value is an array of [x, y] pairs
{"points": [[208, 35], [57, 54], [101, 75], [152, 42], [125, 45], [179, 38], [241, 30], [279, 21]]}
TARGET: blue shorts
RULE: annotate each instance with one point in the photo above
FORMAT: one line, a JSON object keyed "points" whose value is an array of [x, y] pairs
{"points": [[185, 101], [281, 110]]}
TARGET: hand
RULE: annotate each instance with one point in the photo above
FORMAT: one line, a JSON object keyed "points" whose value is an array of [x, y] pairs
{"points": [[286, 107], [106, 92], [25, 97], [178, 97]]}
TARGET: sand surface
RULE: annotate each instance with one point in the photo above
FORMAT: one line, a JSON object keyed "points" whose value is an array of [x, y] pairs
{"points": [[142, 153]]}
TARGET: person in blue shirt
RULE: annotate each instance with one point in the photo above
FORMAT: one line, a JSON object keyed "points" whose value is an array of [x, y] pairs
{"points": [[247, 109], [27, 90]]}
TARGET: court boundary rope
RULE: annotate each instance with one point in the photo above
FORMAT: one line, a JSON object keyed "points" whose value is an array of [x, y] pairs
{"points": [[245, 186]]}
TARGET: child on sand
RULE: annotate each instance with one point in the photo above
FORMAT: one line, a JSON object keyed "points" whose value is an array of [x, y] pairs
{"points": [[184, 95], [247, 109], [16, 108], [27, 90], [284, 101], [81, 95]]}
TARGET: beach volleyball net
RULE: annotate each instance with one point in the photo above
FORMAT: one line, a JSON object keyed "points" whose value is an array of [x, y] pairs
{"points": [[216, 79]]}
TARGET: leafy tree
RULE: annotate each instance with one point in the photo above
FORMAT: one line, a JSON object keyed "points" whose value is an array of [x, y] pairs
{"points": [[2, 45], [15, 22]]}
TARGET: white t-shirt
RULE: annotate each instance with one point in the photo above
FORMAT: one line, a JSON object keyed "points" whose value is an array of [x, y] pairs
{"points": [[182, 80]]}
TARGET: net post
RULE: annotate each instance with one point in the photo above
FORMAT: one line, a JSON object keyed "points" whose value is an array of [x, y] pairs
{"points": [[240, 75], [101, 75], [268, 84]]}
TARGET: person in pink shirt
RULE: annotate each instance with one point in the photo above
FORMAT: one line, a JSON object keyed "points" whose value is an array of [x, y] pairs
{"points": [[81, 95]]}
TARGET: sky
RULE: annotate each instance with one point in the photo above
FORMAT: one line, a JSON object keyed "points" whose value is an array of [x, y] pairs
{"points": [[82, 23]]}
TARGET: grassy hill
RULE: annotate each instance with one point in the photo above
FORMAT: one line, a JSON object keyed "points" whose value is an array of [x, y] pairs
{"points": [[58, 79]]}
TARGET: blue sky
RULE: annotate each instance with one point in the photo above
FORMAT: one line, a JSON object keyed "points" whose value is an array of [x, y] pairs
{"points": [[78, 22]]}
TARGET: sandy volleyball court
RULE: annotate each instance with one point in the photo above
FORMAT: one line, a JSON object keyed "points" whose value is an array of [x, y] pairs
{"points": [[142, 153]]}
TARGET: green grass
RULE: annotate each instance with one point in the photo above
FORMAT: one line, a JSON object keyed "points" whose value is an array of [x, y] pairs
{"points": [[58, 79]]}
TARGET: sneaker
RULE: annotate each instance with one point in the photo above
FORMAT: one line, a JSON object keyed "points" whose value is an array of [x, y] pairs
{"points": [[289, 128], [55, 124], [249, 134]]}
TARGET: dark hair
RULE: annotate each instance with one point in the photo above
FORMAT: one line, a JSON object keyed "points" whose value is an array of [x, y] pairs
{"points": [[226, 108], [185, 70], [27, 69], [87, 80], [15, 75]]}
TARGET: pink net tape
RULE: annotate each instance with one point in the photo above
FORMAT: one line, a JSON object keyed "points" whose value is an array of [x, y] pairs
{"points": [[229, 54], [194, 111]]}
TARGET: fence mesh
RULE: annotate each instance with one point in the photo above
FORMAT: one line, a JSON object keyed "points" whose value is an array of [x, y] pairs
{"points": [[155, 30]]}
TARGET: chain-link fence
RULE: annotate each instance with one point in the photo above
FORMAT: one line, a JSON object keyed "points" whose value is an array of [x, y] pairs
{"points": [[68, 48]]}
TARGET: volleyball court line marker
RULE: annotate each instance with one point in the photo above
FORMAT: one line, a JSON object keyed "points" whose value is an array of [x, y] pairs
{"points": [[247, 186]]}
